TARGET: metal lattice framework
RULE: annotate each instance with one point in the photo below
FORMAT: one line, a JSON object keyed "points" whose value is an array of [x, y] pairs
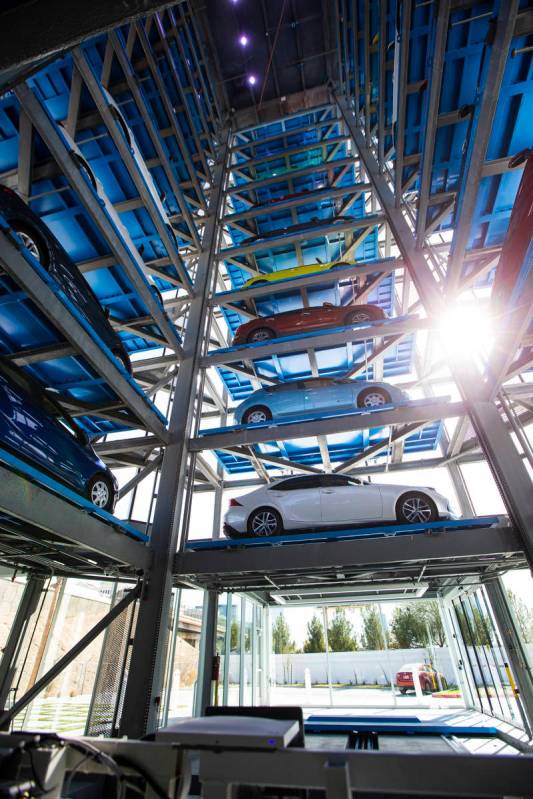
{"points": [[400, 165]]}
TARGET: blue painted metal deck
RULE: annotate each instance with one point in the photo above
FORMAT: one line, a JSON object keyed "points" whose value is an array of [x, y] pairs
{"points": [[381, 531], [332, 725], [341, 447], [37, 476]]}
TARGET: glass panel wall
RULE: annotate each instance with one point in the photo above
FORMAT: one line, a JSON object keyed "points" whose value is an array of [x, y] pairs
{"points": [[185, 654], [490, 674], [371, 655], [232, 696]]}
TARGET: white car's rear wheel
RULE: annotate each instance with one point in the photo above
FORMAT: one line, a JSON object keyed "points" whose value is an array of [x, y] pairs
{"points": [[265, 521], [416, 508]]}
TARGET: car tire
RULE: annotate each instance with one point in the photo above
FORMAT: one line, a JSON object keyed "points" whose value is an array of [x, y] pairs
{"points": [[158, 297], [414, 507], [403, 690], [101, 492], [340, 265], [124, 359], [373, 398], [33, 241], [265, 522], [257, 415], [260, 334], [358, 317]]}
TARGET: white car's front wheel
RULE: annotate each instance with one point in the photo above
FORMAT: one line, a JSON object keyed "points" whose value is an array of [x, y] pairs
{"points": [[416, 508], [265, 521]]}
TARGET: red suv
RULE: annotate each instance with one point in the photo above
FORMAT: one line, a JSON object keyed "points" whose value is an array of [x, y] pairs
{"points": [[305, 320], [429, 678]]}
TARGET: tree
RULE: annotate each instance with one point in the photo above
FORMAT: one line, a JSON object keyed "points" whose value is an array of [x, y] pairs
{"points": [[234, 636], [431, 611], [407, 630], [475, 626], [315, 636], [281, 637], [416, 625], [372, 631], [523, 615], [341, 636]]}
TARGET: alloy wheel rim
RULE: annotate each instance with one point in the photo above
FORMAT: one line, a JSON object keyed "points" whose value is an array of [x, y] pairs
{"points": [[100, 494], [264, 523], [416, 509], [372, 400], [255, 417], [260, 335], [30, 245]]}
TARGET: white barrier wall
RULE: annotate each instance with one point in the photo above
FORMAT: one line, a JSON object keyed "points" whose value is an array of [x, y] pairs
{"points": [[355, 668], [367, 668]]}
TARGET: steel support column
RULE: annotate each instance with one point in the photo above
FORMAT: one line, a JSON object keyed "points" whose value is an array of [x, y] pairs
{"points": [[207, 650], [515, 651], [502, 456], [147, 662], [26, 608]]}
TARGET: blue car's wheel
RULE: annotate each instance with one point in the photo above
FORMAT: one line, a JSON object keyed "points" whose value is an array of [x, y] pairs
{"points": [[265, 521], [257, 415], [373, 398], [101, 492], [32, 241]]}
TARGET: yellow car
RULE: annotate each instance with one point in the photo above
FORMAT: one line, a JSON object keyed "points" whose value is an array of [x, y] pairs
{"points": [[297, 271]]}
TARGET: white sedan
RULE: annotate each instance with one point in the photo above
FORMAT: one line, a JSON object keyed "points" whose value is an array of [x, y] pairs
{"points": [[330, 500]]}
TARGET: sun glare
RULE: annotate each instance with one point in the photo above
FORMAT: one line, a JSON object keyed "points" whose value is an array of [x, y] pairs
{"points": [[466, 332]]}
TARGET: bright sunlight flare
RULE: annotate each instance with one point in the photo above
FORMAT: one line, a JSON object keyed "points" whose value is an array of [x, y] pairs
{"points": [[467, 331]]}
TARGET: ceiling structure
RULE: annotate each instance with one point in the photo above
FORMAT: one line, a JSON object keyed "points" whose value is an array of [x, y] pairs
{"points": [[163, 151]]}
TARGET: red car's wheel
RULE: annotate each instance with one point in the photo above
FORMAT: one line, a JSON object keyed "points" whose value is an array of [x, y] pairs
{"points": [[260, 334], [356, 317]]}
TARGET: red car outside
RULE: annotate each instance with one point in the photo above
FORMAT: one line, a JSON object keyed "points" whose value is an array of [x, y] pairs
{"points": [[430, 680], [305, 319]]}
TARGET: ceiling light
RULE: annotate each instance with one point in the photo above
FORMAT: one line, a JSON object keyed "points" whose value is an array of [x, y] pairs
{"points": [[252, 80], [243, 40]]}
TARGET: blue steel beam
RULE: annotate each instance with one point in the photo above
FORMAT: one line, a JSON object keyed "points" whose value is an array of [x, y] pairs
{"points": [[99, 208]]}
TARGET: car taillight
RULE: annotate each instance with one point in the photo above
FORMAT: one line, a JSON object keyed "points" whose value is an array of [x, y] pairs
{"points": [[233, 503]]}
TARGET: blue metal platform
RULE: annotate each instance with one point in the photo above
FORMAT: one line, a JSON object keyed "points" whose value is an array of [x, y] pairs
{"points": [[382, 531], [36, 476]]}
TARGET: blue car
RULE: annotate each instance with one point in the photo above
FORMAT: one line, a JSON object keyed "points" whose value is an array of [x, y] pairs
{"points": [[315, 396], [36, 428]]}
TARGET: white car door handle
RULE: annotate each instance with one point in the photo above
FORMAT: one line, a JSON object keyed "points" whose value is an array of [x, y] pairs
{"points": [[327, 492]]}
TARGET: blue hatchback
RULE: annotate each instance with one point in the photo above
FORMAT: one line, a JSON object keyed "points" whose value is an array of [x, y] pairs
{"points": [[36, 428], [316, 395]]}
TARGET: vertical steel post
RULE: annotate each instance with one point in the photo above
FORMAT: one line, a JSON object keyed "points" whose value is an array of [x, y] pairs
{"points": [[147, 662], [498, 447], [515, 651], [27, 606], [458, 664], [207, 650]]}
